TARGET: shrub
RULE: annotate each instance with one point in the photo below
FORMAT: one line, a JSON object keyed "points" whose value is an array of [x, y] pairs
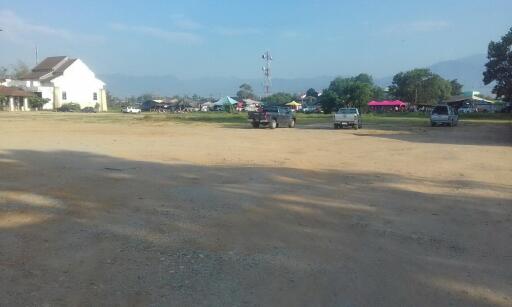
{"points": [[69, 107], [37, 102]]}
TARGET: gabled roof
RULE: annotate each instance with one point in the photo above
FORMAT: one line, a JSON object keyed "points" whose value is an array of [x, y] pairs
{"points": [[50, 68], [49, 63]]}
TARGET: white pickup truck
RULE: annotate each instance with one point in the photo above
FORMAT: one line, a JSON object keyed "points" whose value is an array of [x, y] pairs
{"points": [[348, 117]]}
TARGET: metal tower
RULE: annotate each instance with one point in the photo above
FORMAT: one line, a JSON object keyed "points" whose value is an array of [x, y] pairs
{"points": [[267, 81]]}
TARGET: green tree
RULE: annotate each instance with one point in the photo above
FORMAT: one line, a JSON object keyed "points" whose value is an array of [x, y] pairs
{"points": [[329, 101], [37, 102], [245, 92], [3, 101], [420, 86], [20, 69], [456, 87], [364, 78], [312, 93], [310, 100], [499, 67], [278, 98], [355, 92], [379, 94], [145, 97], [4, 72], [359, 94]]}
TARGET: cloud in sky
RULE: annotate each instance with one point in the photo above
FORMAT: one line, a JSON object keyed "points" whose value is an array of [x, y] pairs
{"points": [[16, 29], [178, 37]]}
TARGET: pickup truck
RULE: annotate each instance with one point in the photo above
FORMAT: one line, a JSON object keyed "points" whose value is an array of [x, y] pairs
{"points": [[348, 117], [272, 117]]}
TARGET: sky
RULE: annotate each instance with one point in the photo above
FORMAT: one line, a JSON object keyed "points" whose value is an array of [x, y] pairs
{"points": [[206, 38]]}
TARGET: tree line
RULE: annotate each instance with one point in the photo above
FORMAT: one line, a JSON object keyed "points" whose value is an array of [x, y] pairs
{"points": [[418, 86]]}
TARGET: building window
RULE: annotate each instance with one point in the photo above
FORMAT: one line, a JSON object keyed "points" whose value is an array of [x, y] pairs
{"points": [[64, 96], [95, 96]]}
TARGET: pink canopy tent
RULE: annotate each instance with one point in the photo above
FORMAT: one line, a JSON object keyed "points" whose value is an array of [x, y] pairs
{"points": [[387, 105]]}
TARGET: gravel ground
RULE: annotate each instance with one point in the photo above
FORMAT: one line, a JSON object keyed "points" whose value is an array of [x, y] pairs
{"points": [[135, 213]]}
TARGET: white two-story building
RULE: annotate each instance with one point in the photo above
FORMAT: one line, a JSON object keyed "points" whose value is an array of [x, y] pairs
{"points": [[64, 80]]}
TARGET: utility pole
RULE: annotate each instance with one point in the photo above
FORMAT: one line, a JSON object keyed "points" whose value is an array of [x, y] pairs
{"points": [[267, 73], [37, 60]]}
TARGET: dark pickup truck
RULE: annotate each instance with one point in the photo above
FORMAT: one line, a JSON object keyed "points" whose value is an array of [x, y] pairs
{"points": [[272, 117]]}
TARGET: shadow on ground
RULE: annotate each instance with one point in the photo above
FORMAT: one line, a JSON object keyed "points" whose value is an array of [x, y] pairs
{"points": [[464, 134], [84, 229]]}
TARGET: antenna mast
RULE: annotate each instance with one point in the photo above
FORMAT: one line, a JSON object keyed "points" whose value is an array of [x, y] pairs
{"points": [[267, 81]]}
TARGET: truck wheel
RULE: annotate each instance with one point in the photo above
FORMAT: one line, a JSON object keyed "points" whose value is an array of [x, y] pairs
{"points": [[335, 126], [255, 124], [292, 124], [432, 124], [360, 125], [356, 126], [273, 124]]}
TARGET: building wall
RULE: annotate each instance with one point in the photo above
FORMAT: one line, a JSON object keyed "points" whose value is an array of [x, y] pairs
{"points": [[46, 93], [36, 87], [79, 83]]}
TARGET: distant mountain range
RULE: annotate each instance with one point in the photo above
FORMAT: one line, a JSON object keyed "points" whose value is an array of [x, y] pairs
{"points": [[467, 70]]}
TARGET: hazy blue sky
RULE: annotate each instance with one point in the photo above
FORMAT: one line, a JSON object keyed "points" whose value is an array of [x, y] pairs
{"points": [[226, 38]]}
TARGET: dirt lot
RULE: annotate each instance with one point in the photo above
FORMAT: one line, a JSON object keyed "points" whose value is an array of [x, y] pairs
{"points": [[108, 211]]}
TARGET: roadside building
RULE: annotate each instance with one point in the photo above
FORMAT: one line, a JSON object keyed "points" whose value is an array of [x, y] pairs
{"points": [[14, 99], [63, 80], [473, 102]]}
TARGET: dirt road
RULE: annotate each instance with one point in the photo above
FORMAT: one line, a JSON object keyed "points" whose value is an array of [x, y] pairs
{"points": [[131, 213]]}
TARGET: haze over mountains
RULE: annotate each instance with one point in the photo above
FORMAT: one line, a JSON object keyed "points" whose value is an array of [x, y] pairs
{"points": [[467, 70]]}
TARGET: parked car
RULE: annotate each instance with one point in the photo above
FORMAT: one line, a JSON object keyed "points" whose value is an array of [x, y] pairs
{"points": [[348, 117], [444, 115], [273, 117], [130, 110]]}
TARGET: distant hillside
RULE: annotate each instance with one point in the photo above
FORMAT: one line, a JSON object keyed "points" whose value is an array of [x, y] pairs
{"points": [[467, 70], [124, 85]]}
